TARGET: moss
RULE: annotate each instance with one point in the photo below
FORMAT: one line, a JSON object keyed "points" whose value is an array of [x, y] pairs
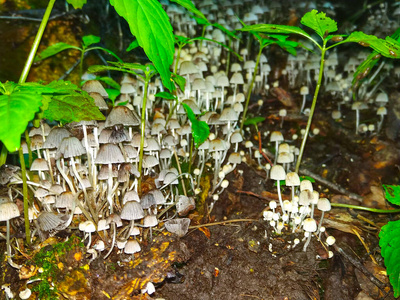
{"points": [[49, 260]]}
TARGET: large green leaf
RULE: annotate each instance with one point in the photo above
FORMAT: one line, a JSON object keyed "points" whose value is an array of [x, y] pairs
{"points": [[54, 49], [88, 40], [319, 22], [72, 108], [70, 104], [149, 23], [200, 129], [77, 3], [389, 241], [190, 7], [388, 47], [17, 108]]}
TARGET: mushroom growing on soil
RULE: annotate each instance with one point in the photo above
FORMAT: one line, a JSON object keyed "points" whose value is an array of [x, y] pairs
{"points": [[9, 210]]}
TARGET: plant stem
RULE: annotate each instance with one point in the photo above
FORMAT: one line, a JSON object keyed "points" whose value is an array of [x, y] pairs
{"points": [[25, 193], [81, 66], [3, 155], [374, 210], [36, 42], [142, 130], [250, 88], [304, 141]]}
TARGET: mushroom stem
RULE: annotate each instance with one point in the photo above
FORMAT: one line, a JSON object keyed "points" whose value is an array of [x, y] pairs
{"points": [[280, 196], [12, 264]]}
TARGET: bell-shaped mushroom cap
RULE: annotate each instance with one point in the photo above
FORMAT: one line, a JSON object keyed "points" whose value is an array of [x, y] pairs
{"points": [[306, 185], [94, 86], [305, 197], [109, 154], [8, 211], [65, 200], [324, 204], [310, 225], [285, 158], [278, 172], [150, 221], [292, 179], [235, 158], [56, 135], [187, 68], [122, 115], [229, 115], [70, 147], [132, 210], [178, 226], [87, 226], [237, 78], [39, 164], [131, 196], [276, 136], [99, 101], [114, 218], [132, 246], [102, 225], [147, 201], [158, 196], [184, 205]]}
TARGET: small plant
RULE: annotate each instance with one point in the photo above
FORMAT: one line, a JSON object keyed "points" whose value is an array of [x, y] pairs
{"points": [[87, 42], [324, 27]]}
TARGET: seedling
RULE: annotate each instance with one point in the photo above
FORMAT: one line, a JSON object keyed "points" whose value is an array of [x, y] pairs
{"points": [[324, 27], [87, 42]]}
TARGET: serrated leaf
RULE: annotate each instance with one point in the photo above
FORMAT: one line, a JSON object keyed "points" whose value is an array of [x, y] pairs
{"points": [[165, 95], [16, 110], [275, 29], [388, 47], [54, 49], [132, 46], [149, 23], [319, 22], [72, 108], [390, 244], [190, 7], [200, 129], [392, 193], [77, 3], [88, 40]]}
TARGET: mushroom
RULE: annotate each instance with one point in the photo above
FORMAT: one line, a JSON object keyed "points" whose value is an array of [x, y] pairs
{"points": [[9, 210]]}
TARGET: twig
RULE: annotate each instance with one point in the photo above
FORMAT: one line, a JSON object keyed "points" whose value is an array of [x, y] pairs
{"points": [[331, 185], [361, 267], [261, 151], [254, 194], [365, 246], [222, 223]]}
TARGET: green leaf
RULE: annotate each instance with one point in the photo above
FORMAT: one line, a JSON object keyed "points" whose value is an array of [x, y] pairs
{"points": [[149, 23], [225, 30], [88, 40], [180, 81], [254, 121], [190, 7], [16, 110], [113, 94], [77, 3], [109, 81], [165, 95], [276, 29], [388, 47], [201, 21], [392, 193], [389, 241], [132, 46], [54, 49], [365, 68], [200, 129], [319, 22], [132, 68]]}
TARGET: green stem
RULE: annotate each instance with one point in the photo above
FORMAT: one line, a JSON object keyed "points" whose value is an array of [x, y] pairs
{"points": [[81, 66], [22, 79], [142, 131], [304, 141], [203, 32], [25, 193], [178, 56], [28, 145], [251, 88], [36, 42], [375, 210]]}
